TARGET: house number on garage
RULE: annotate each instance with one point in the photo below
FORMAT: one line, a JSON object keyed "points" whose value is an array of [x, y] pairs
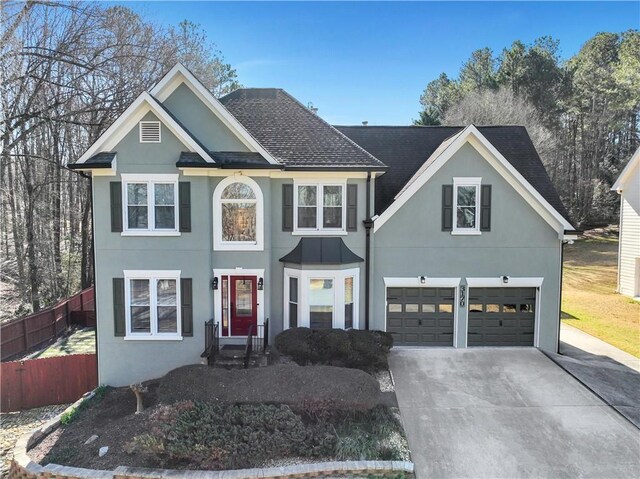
{"points": [[462, 291]]}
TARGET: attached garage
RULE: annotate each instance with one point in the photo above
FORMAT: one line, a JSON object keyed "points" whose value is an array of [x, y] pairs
{"points": [[421, 316], [501, 316]]}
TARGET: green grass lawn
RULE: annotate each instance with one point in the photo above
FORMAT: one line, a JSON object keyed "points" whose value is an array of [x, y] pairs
{"points": [[589, 298], [82, 341]]}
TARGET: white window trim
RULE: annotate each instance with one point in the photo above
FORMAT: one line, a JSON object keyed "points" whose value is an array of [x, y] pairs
{"points": [[140, 125], [150, 180], [338, 277], [218, 243], [514, 282], [217, 297], [152, 276], [469, 181], [319, 230]]}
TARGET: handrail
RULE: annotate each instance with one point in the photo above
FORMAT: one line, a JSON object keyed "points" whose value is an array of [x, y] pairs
{"points": [[249, 348], [211, 341]]}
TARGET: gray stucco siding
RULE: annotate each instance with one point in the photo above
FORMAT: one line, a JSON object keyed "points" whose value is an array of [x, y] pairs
{"points": [[520, 244], [122, 361], [201, 121]]}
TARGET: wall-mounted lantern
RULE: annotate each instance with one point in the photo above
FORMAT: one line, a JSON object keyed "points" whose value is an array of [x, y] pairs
{"points": [[260, 284], [214, 283], [423, 279], [505, 279]]}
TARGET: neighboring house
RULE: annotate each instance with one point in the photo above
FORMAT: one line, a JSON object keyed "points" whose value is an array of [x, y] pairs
{"points": [[252, 207], [628, 187]]}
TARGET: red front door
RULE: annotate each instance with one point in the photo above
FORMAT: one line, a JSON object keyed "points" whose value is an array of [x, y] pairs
{"points": [[244, 304]]}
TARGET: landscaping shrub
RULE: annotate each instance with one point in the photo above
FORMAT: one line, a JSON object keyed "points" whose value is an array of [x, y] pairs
{"points": [[366, 350], [211, 436]]}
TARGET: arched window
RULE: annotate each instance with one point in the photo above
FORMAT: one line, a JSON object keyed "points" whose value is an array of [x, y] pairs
{"points": [[237, 206]]}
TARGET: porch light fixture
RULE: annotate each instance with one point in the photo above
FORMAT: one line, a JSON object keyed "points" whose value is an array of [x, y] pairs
{"points": [[214, 283], [260, 284], [505, 279], [423, 279]]}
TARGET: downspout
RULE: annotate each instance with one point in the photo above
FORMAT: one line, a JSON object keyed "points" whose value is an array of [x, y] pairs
{"points": [[562, 243], [368, 224]]}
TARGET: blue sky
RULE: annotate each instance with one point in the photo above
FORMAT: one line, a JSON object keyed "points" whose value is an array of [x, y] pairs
{"points": [[371, 60]]}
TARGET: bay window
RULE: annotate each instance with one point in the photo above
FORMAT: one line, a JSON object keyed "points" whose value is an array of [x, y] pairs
{"points": [[321, 299], [151, 304], [319, 207], [150, 204]]}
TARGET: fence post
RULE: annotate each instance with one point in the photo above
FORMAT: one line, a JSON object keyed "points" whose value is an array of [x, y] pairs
{"points": [[81, 301], [24, 334]]}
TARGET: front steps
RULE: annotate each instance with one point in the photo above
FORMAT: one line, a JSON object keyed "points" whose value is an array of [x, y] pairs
{"points": [[231, 356]]}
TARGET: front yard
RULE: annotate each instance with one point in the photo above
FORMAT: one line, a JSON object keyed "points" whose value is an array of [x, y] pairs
{"points": [[199, 417], [589, 298]]}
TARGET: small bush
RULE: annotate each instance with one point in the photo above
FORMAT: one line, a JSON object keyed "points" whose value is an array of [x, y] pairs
{"points": [[212, 436], [366, 350]]}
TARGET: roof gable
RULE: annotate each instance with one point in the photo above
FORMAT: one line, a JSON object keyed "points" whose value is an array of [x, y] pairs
{"points": [[525, 169], [131, 116], [179, 75], [625, 175], [406, 148]]}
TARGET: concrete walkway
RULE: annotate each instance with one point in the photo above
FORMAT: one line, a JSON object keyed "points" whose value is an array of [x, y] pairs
{"points": [[593, 346], [506, 413], [609, 372]]}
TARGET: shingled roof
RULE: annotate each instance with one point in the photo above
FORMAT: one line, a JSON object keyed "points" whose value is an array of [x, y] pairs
{"points": [[405, 149], [293, 134]]}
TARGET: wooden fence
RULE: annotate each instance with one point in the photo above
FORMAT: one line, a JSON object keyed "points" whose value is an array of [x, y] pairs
{"points": [[24, 334], [43, 382]]}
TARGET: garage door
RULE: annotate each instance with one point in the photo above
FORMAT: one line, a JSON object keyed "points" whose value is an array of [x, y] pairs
{"points": [[421, 316], [501, 316]]}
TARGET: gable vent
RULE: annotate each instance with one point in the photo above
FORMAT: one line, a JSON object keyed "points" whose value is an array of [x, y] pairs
{"points": [[149, 132]]}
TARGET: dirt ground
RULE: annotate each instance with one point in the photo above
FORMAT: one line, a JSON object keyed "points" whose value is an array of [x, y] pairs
{"points": [[280, 384], [589, 298]]}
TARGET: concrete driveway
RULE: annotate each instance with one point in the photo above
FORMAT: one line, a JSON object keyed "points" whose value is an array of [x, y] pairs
{"points": [[507, 413]]}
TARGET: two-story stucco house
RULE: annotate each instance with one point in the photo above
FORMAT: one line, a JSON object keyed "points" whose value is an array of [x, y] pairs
{"points": [[251, 206], [628, 187]]}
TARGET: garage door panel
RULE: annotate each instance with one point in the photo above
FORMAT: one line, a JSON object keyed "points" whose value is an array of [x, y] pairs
{"points": [[421, 316], [501, 316]]}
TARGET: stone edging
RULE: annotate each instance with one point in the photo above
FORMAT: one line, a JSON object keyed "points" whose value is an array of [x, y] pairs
{"points": [[22, 467]]}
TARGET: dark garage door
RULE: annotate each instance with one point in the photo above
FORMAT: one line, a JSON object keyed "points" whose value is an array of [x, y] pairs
{"points": [[420, 316], [501, 316]]}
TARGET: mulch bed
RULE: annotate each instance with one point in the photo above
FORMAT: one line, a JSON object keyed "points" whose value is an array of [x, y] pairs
{"points": [[112, 417], [338, 388]]}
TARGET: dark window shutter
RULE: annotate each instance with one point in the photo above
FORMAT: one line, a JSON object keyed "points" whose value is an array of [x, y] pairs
{"points": [[447, 207], [287, 207], [116, 206], [186, 306], [485, 208], [184, 213], [352, 207], [119, 324]]}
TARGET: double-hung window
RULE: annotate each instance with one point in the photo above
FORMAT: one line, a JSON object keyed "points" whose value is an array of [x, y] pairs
{"points": [[319, 207], [152, 300], [466, 204], [150, 204]]}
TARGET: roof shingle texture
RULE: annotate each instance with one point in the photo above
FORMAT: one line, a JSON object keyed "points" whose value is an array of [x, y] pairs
{"points": [[405, 149], [292, 133]]}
